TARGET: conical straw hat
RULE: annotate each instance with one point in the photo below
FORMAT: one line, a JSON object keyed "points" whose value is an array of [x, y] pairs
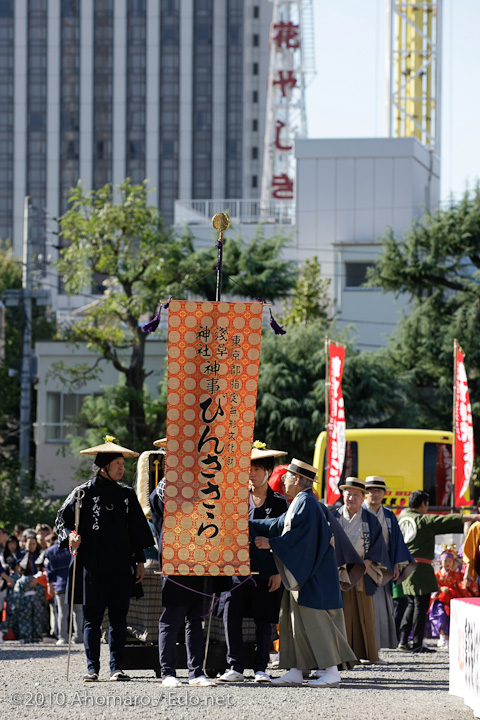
{"points": [[109, 447], [259, 452]]}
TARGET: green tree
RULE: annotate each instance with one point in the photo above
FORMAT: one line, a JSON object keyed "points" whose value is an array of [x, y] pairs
{"points": [[124, 241], [254, 269], [36, 508], [437, 264], [309, 300], [291, 389], [10, 279], [43, 327]]}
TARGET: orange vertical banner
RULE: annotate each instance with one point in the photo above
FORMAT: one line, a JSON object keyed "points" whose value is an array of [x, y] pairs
{"points": [[213, 361]]}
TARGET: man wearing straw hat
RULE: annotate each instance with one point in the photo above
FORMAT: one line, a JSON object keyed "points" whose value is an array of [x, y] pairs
{"points": [[365, 533], [112, 533], [401, 561], [312, 628]]}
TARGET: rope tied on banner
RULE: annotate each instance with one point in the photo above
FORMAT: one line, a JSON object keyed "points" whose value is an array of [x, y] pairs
{"points": [[209, 595], [155, 322]]}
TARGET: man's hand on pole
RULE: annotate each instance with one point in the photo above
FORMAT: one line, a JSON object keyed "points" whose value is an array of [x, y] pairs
{"points": [[74, 541]]}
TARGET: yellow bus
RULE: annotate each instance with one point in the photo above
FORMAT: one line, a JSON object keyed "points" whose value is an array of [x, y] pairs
{"points": [[407, 459]]}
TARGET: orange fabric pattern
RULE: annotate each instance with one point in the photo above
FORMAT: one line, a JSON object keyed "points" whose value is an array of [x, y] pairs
{"points": [[213, 361]]}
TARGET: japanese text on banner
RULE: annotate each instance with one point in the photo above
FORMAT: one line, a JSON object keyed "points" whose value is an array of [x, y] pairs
{"points": [[336, 425], [213, 360], [464, 445]]}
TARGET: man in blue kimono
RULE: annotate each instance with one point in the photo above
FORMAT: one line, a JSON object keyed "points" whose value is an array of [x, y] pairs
{"points": [[401, 561], [112, 534], [301, 541]]}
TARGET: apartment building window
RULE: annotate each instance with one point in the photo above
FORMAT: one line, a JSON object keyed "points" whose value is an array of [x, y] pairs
{"points": [[62, 408], [255, 96], [254, 153], [256, 40], [103, 92], [256, 11], [356, 273], [234, 125], [254, 181], [255, 68], [255, 125]]}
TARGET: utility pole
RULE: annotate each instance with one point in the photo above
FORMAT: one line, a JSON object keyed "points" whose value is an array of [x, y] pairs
{"points": [[26, 371]]}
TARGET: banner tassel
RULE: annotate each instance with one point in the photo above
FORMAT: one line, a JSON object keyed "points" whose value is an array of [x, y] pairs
{"points": [[277, 329], [153, 324]]}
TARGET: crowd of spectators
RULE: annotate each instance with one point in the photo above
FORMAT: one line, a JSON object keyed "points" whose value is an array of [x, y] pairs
{"points": [[33, 581]]}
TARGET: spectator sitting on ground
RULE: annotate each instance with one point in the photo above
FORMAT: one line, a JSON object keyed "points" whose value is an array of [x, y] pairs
{"points": [[10, 623], [12, 547], [29, 600], [31, 551]]}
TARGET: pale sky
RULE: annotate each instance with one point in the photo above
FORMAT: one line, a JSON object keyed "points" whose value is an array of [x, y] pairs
{"points": [[347, 96]]}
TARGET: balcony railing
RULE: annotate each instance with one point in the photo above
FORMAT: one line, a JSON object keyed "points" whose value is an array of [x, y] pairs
{"points": [[200, 212]]}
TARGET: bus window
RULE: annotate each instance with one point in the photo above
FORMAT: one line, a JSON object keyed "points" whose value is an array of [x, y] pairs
{"points": [[437, 473], [350, 465]]}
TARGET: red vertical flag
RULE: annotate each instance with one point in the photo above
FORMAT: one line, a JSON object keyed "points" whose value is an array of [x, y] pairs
{"points": [[336, 424], [463, 439]]}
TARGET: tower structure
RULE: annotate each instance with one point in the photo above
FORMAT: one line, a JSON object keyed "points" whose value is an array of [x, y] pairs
{"points": [[414, 54], [291, 64]]}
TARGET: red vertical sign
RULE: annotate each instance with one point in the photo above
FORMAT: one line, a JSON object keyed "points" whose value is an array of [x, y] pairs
{"points": [[336, 425], [464, 445]]}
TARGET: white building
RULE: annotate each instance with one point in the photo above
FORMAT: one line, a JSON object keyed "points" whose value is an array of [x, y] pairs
{"points": [[349, 191], [56, 406]]}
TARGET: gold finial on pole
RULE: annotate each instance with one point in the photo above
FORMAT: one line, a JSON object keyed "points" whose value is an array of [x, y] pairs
{"points": [[220, 222]]}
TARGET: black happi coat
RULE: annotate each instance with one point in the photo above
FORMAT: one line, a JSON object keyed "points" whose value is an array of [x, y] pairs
{"points": [[114, 532], [274, 506]]}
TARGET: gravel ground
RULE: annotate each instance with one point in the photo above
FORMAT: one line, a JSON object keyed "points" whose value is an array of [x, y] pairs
{"points": [[33, 685]]}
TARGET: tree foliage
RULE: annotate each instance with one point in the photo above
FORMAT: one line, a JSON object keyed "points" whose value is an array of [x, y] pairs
{"points": [[251, 270], [309, 300], [126, 242], [114, 233], [291, 390], [43, 327], [36, 508], [437, 263]]}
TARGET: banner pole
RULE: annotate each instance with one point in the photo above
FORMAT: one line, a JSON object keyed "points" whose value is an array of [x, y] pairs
{"points": [[454, 423], [220, 222], [325, 469]]}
